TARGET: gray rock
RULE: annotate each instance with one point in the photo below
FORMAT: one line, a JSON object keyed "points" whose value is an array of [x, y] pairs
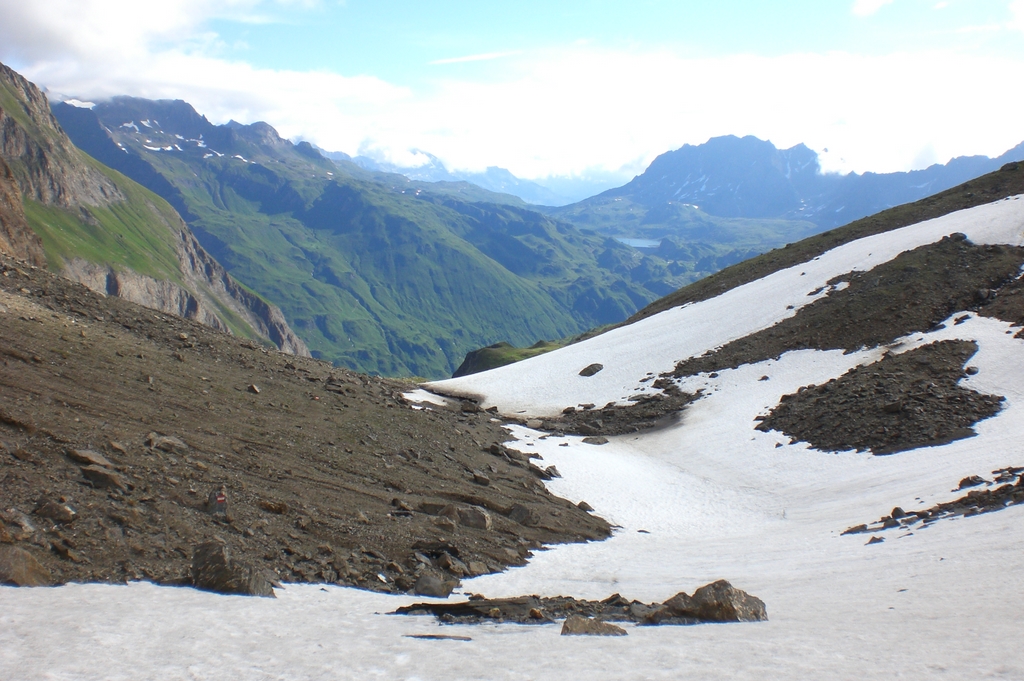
{"points": [[89, 458], [213, 569], [575, 625], [432, 585], [721, 602], [474, 517], [591, 369], [105, 478], [18, 567], [523, 515], [596, 440], [217, 502]]}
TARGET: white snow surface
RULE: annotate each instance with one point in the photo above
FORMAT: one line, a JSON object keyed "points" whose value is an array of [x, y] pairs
{"points": [[546, 384], [715, 498]]}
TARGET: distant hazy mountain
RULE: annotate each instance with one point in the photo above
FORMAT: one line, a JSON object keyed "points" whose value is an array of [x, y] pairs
{"points": [[552, 191], [749, 178]]}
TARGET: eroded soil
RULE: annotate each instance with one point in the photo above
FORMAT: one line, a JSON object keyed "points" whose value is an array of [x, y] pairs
{"points": [[329, 475]]}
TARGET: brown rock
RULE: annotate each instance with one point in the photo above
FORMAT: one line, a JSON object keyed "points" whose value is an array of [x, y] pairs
{"points": [[18, 567], [575, 625], [60, 513], [595, 440], [105, 478], [721, 602], [213, 569], [681, 605], [591, 369], [89, 458], [278, 507]]}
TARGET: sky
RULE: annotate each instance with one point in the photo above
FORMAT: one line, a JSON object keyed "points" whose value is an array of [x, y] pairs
{"points": [[573, 88]]}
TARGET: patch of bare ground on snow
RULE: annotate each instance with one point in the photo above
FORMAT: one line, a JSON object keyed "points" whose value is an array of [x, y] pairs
{"points": [[328, 475], [902, 402], [913, 292]]}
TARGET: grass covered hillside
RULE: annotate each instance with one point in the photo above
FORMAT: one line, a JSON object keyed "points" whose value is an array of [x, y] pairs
{"points": [[373, 271]]}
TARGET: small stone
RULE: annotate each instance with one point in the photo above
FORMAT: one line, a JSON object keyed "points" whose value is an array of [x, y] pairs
{"points": [[89, 458], [523, 515], [253, 388], [444, 523], [432, 585], [481, 479], [477, 567], [118, 447], [105, 478], [474, 517], [18, 567], [897, 513], [534, 424], [217, 502], [576, 625], [59, 513], [875, 540], [166, 443], [595, 440], [971, 481], [584, 506], [278, 507], [591, 369], [183, 336]]}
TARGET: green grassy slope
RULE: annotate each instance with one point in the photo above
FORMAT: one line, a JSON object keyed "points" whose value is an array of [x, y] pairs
{"points": [[374, 272]]}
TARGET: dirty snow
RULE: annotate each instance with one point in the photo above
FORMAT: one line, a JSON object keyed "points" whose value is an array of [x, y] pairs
{"points": [[714, 498]]}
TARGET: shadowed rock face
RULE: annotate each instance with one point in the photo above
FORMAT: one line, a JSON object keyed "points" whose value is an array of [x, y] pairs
{"points": [[39, 163], [16, 238]]}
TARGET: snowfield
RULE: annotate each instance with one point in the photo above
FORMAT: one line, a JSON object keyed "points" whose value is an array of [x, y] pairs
{"points": [[707, 498]]}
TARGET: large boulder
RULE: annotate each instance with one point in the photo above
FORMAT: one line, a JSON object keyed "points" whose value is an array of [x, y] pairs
{"points": [[213, 569], [577, 625], [18, 567], [722, 602]]}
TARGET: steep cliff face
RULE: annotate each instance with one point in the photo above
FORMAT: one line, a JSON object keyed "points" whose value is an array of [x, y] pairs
{"points": [[46, 165], [60, 207], [16, 238]]}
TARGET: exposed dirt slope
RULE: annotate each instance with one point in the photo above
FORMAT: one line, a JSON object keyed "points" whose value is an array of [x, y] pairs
{"points": [[328, 475]]}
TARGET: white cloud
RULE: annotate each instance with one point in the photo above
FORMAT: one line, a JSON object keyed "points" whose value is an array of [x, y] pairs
{"points": [[567, 111], [489, 56], [1017, 15], [865, 8]]}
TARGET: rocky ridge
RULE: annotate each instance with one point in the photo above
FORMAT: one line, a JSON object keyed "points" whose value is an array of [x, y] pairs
{"points": [[39, 163]]}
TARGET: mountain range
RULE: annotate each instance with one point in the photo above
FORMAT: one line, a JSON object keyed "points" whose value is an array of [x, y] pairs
{"points": [[374, 271]]}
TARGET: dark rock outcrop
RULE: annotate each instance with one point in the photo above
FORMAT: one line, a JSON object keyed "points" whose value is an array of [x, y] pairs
{"points": [[213, 569]]}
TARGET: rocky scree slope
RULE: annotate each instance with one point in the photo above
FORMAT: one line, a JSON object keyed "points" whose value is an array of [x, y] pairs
{"points": [[120, 425], [375, 272], [63, 209]]}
